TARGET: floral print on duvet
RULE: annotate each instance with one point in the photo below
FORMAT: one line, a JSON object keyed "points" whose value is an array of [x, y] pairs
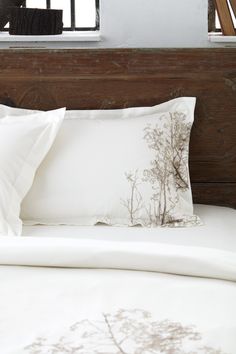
{"points": [[124, 332]]}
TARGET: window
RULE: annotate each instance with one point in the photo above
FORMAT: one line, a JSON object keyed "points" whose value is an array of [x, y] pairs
{"points": [[78, 15]]}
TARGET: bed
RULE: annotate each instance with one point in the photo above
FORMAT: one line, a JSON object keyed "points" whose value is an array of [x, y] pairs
{"points": [[104, 290]]}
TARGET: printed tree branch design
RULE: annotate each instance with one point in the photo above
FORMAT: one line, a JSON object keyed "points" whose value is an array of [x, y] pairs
{"points": [[179, 137], [168, 172], [160, 175], [134, 203], [124, 332]]}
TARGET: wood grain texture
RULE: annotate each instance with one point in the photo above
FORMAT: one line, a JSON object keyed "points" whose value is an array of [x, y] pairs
{"points": [[103, 79], [226, 21]]}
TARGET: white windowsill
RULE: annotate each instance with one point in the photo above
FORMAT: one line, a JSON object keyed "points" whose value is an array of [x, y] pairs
{"points": [[219, 38], [88, 36]]}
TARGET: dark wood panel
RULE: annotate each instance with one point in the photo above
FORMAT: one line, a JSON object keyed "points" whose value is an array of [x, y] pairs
{"points": [[182, 62], [103, 79], [223, 194]]}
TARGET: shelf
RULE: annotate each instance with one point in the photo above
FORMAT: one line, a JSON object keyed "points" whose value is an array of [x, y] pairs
{"points": [[64, 37], [220, 38]]}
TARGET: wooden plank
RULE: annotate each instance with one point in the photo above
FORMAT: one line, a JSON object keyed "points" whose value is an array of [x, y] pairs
{"points": [[222, 194], [225, 18], [87, 63]]}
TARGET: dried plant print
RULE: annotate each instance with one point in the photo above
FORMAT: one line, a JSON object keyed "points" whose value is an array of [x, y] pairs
{"points": [[124, 332], [133, 204], [161, 176], [180, 134], [167, 175]]}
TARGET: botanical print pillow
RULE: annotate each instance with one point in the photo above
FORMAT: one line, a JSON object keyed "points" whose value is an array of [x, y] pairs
{"points": [[160, 189], [24, 142], [128, 170]]}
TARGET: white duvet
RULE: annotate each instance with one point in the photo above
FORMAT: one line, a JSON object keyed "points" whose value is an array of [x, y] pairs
{"points": [[103, 290]]}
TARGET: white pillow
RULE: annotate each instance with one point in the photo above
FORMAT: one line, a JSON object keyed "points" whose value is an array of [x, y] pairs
{"points": [[102, 168], [24, 142]]}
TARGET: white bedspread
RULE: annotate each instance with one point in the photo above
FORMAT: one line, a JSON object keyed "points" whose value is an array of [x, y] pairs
{"points": [[103, 290]]}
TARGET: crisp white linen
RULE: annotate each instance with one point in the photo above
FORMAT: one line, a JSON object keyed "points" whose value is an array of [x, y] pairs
{"points": [[218, 231], [128, 251], [45, 311], [113, 311], [124, 167], [24, 142], [143, 256]]}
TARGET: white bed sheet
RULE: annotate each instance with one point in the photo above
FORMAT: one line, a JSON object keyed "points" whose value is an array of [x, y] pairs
{"points": [[160, 290], [218, 231]]}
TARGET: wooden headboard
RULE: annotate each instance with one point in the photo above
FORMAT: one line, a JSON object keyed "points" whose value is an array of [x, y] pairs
{"points": [[82, 79]]}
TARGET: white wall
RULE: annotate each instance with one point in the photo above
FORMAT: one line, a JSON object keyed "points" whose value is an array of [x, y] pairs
{"points": [[154, 23]]}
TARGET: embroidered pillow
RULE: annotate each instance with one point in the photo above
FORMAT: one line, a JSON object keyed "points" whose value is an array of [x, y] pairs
{"points": [[127, 168]]}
